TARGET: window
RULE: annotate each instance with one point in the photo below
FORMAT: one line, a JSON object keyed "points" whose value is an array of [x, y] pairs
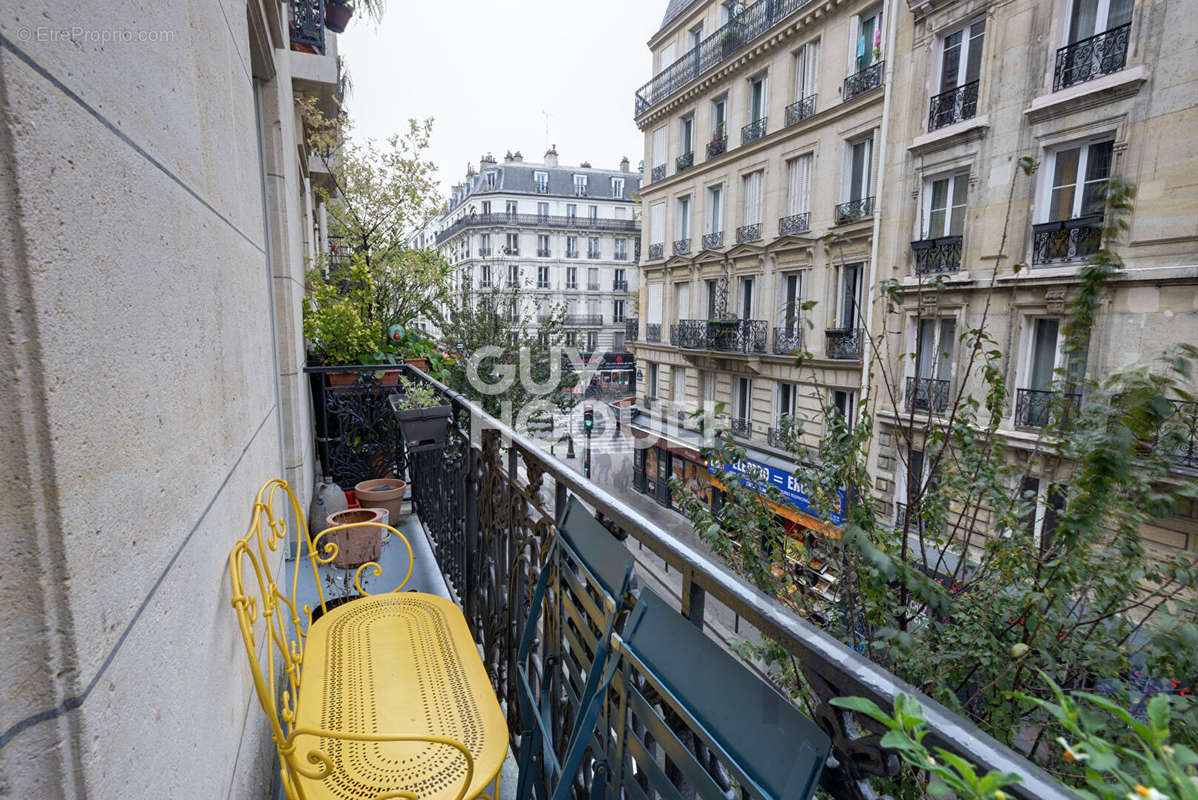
{"points": [[513, 245], [678, 384], [934, 366], [682, 219], [571, 211], [708, 388], [617, 187], [1045, 513], [593, 212], [1044, 354], [580, 185], [786, 403], [571, 338], [744, 399], [798, 185], [849, 297], [484, 278], [592, 247], [486, 206], [490, 179], [542, 210], [543, 277], [621, 280], [513, 275], [666, 57], [1079, 179], [944, 206], [543, 245], [657, 224], [757, 98], [617, 342], [1090, 17], [715, 209], [592, 341], [661, 149], [651, 390], [792, 301], [593, 279], [617, 310], [727, 12], [719, 118], [571, 277], [807, 71], [512, 207], [571, 247], [542, 181], [753, 184], [843, 402], [682, 301], [713, 298], [621, 212], [687, 131], [961, 56], [621, 249], [746, 298], [859, 169], [868, 48], [484, 247]]}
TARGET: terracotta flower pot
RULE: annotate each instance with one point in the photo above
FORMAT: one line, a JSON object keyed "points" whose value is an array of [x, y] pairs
{"points": [[390, 377], [419, 363], [342, 378], [357, 545], [382, 493], [337, 14]]}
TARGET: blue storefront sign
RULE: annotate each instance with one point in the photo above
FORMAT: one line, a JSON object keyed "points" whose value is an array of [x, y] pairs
{"points": [[757, 475]]}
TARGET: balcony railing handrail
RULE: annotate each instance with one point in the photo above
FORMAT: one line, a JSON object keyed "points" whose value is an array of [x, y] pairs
{"points": [[536, 221], [845, 670], [1109, 48], [956, 105]]}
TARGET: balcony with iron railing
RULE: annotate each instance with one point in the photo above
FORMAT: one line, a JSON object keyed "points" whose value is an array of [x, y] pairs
{"points": [[632, 329], [788, 339], [854, 210], [592, 286], [682, 247], [864, 81], [653, 332], [713, 241], [620, 255], [619, 286], [1102, 54], [717, 146], [1066, 240], [746, 336], [939, 256], [657, 250], [740, 426], [795, 224], [926, 394], [844, 344], [746, 234], [955, 105], [1038, 408], [472, 221], [488, 504], [798, 111], [658, 173], [753, 131], [1185, 422], [586, 320], [684, 161], [306, 26], [543, 252]]}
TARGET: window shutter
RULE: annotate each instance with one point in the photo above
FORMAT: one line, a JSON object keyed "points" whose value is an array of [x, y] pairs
{"points": [[657, 224], [753, 198], [655, 302], [659, 146], [810, 69]]}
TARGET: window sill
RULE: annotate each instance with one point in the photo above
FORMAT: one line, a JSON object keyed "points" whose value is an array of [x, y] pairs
{"points": [[950, 134], [1090, 94], [916, 281]]}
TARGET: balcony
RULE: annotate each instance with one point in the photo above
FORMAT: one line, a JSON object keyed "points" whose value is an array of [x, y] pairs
{"points": [[658, 173], [748, 233], [1066, 240], [1103, 54], [717, 146], [926, 394], [682, 247], [739, 426], [713, 241], [795, 224], [536, 221], [864, 81], [511, 251], [844, 344], [1037, 408], [593, 255], [657, 251], [632, 329], [620, 255], [585, 320], [1186, 420], [854, 210], [619, 286], [801, 110], [543, 252], [484, 252], [955, 105], [653, 332], [752, 132], [592, 286], [747, 336], [940, 256], [571, 253], [307, 26], [684, 161], [788, 340]]}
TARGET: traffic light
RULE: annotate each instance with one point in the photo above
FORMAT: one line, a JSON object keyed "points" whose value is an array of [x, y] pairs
{"points": [[588, 419]]}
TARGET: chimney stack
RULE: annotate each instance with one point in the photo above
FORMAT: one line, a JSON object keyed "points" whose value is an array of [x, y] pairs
{"points": [[518, 158], [483, 161], [624, 164], [508, 157], [551, 156]]}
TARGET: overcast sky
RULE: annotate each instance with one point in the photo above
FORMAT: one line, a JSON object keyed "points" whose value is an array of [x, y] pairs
{"points": [[485, 71]]}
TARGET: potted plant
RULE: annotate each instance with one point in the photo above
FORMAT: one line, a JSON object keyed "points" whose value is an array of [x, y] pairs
{"points": [[423, 417], [337, 14], [357, 544]]}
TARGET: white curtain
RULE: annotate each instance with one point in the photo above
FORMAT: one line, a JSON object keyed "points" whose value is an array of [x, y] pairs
{"points": [[798, 197], [753, 187]]}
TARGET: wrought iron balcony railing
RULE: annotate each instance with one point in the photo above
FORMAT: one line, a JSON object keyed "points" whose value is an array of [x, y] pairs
{"points": [[571, 253], [937, 256], [844, 344], [1066, 240], [658, 173], [854, 210], [955, 105], [1186, 420], [489, 502], [741, 427], [589, 320], [788, 339], [484, 252], [748, 233], [717, 146], [777, 436], [1036, 408], [537, 221], [592, 286], [864, 81], [619, 286], [713, 241], [727, 40], [657, 251], [926, 394], [682, 247], [724, 336], [801, 110], [1102, 54], [632, 329], [684, 161], [543, 252], [653, 332], [307, 26], [689, 334], [794, 224], [753, 131]]}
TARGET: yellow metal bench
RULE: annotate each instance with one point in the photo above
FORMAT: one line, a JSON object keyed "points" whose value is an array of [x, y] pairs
{"points": [[381, 697]]}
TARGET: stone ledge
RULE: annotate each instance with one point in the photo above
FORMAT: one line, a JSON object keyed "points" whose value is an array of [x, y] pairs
{"points": [[951, 134], [1090, 94]]}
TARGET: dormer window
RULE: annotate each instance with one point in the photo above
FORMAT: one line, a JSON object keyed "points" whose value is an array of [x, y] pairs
{"points": [[490, 179], [542, 181], [617, 187], [580, 185]]}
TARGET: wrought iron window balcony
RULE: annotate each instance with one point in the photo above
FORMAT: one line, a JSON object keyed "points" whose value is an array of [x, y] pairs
{"points": [[1186, 420], [1066, 240], [571, 254], [937, 256], [542, 253], [854, 210], [537, 221], [593, 255], [684, 161], [307, 26], [653, 332], [658, 174], [955, 105], [794, 224], [620, 255], [584, 319], [484, 283], [864, 81], [484, 252], [753, 131], [713, 241], [1102, 54], [619, 286], [777, 436], [788, 339], [632, 328], [717, 146], [844, 344], [1036, 408], [748, 233], [572, 285], [592, 286], [741, 427], [798, 111], [657, 251], [682, 247], [542, 284], [723, 336], [926, 394]]}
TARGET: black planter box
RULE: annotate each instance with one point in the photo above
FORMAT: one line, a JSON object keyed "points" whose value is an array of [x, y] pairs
{"points": [[423, 428]]}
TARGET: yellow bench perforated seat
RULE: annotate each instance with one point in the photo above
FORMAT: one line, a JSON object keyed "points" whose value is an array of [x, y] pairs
{"points": [[399, 663]]}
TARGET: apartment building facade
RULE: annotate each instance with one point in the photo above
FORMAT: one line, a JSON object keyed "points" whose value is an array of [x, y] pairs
{"points": [[762, 133], [1085, 90], [563, 237]]}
